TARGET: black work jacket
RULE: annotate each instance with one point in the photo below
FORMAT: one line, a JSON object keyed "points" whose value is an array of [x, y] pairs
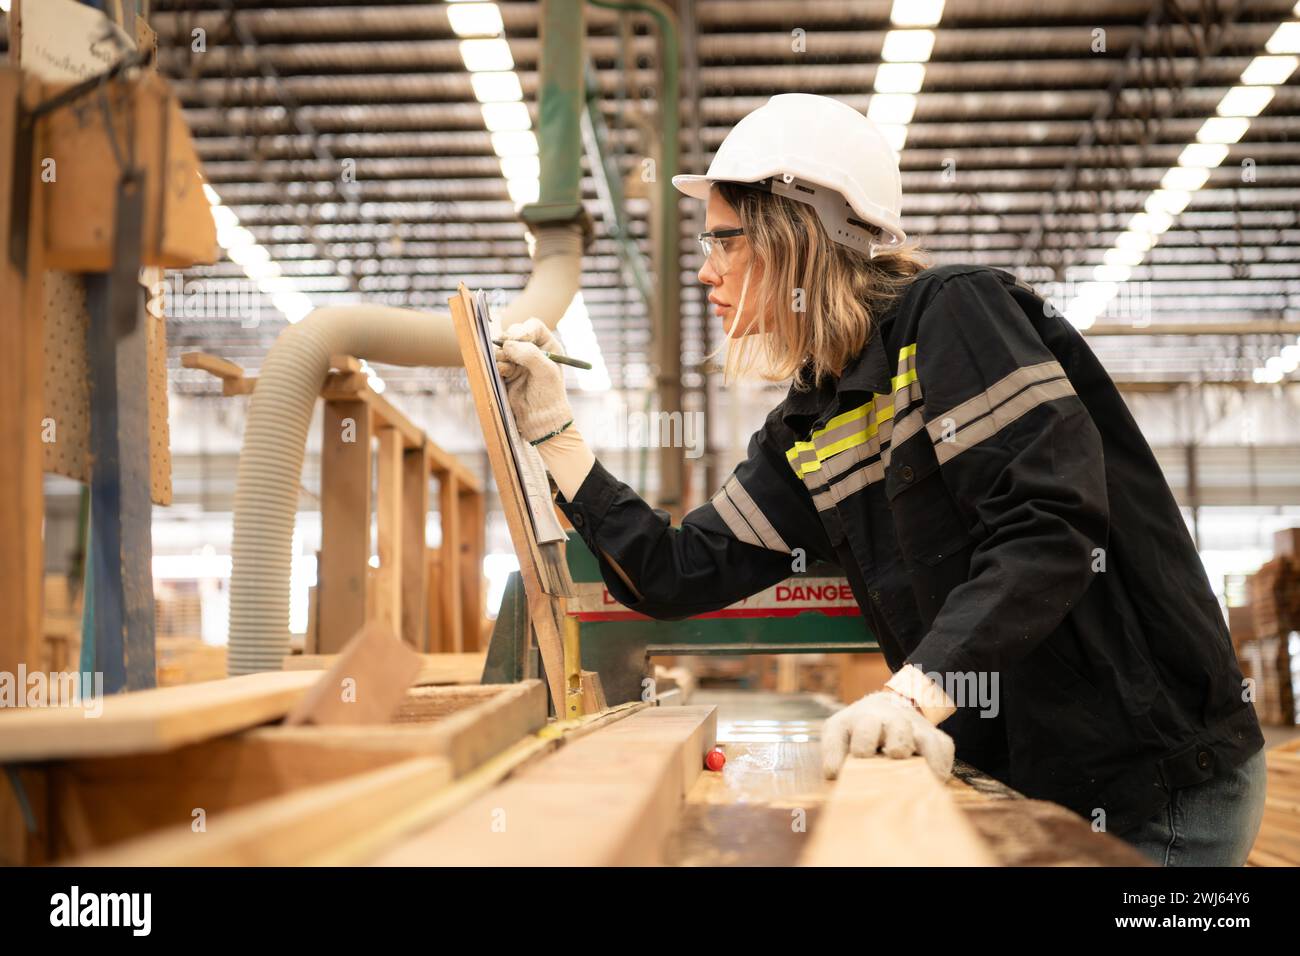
{"points": [[1005, 528]]}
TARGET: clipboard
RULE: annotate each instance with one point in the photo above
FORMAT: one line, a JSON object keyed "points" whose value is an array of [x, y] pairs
{"points": [[542, 565]]}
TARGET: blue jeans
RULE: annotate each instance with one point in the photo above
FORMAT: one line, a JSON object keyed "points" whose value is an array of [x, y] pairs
{"points": [[1211, 824]]}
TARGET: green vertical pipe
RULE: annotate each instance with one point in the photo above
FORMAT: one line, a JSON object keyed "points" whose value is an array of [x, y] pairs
{"points": [[618, 226], [560, 103], [672, 461]]}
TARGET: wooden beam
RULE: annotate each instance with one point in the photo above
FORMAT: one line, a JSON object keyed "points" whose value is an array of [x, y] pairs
{"points": [[443, 461], [22, 500], [886, 812], [345, 524], [94, 803], [471, 524], [414, 515], [294, 829], [22, 503], [213, 365], [388, 508], [449, 580], [434, 668], [150, 720], [608, 799]]}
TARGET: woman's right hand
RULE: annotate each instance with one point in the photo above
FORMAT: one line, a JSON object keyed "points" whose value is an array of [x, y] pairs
{"points": [[534, 384]]}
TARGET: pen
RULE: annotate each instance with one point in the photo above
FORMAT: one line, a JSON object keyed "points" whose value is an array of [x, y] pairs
{"points": [[556, 357]]}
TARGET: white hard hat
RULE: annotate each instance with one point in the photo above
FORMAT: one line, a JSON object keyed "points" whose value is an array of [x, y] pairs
{"points": [[819, 151]]}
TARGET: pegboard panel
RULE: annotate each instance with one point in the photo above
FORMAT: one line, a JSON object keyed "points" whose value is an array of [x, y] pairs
{"points": [[67, 383], [160, 452], [67, 386]]}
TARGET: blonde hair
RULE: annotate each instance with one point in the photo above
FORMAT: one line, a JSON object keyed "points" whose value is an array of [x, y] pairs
{"points": [[822, 296]]}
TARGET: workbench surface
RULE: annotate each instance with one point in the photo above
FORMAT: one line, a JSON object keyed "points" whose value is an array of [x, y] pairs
{"points": [[760, 809]]}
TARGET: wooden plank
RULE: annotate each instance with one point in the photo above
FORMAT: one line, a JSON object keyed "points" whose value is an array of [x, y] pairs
{"points": [[593, 694], [886, 812], [291, 830], [364, 685], [388, 510], [442, 461], [422, 814], [213, 365], [414, 515], [541, 610], [472, 527], [21, 339], [608, 799], [94, 803], [345, 524], [97, 802], [450, 596], [434, 668], [22, 502], [438, 642], [150, 720]]}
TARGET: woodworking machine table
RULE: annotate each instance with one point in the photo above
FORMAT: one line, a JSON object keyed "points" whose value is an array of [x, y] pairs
{"points": [[747, 814]]}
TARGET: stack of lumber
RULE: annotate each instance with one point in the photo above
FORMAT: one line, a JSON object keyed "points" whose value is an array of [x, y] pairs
{"points": [[1275, 607], [269, 768], [1278, 843], [1241, 624], [1275, 596], [178, 609], [188, 660]]}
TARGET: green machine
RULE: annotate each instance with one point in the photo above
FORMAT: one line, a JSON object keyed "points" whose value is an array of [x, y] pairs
{"points": [[811, 612]]}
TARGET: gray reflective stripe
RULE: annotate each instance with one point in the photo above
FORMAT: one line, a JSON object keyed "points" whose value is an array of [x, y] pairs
{"points": [[855, 482], [907, 363], [731, 517], [848, 429], [991, 397], [909, 393], [908, 427], [1002, 416], [753, 514], [838, 464]]}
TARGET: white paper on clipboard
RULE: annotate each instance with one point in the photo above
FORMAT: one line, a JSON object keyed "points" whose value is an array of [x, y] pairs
{"points": [[527, 460]]}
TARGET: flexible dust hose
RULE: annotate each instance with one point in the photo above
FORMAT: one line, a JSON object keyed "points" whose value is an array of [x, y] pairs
{"points": [[280, 412], [557, 273]]}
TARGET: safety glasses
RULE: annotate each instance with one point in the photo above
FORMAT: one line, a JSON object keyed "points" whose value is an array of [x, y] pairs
{"points": [[714, 246]]}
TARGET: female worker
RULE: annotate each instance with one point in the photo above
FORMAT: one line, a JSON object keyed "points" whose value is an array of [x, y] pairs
{"points": [[951, 442]]}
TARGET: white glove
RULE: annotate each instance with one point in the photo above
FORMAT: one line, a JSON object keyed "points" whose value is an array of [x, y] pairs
{"points": [[534, 384], [885, 722]]}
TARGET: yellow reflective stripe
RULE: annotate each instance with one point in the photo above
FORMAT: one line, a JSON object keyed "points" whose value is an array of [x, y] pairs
{"points": [[843, 418], [799, 446], [907, 378], [873, 417]]}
